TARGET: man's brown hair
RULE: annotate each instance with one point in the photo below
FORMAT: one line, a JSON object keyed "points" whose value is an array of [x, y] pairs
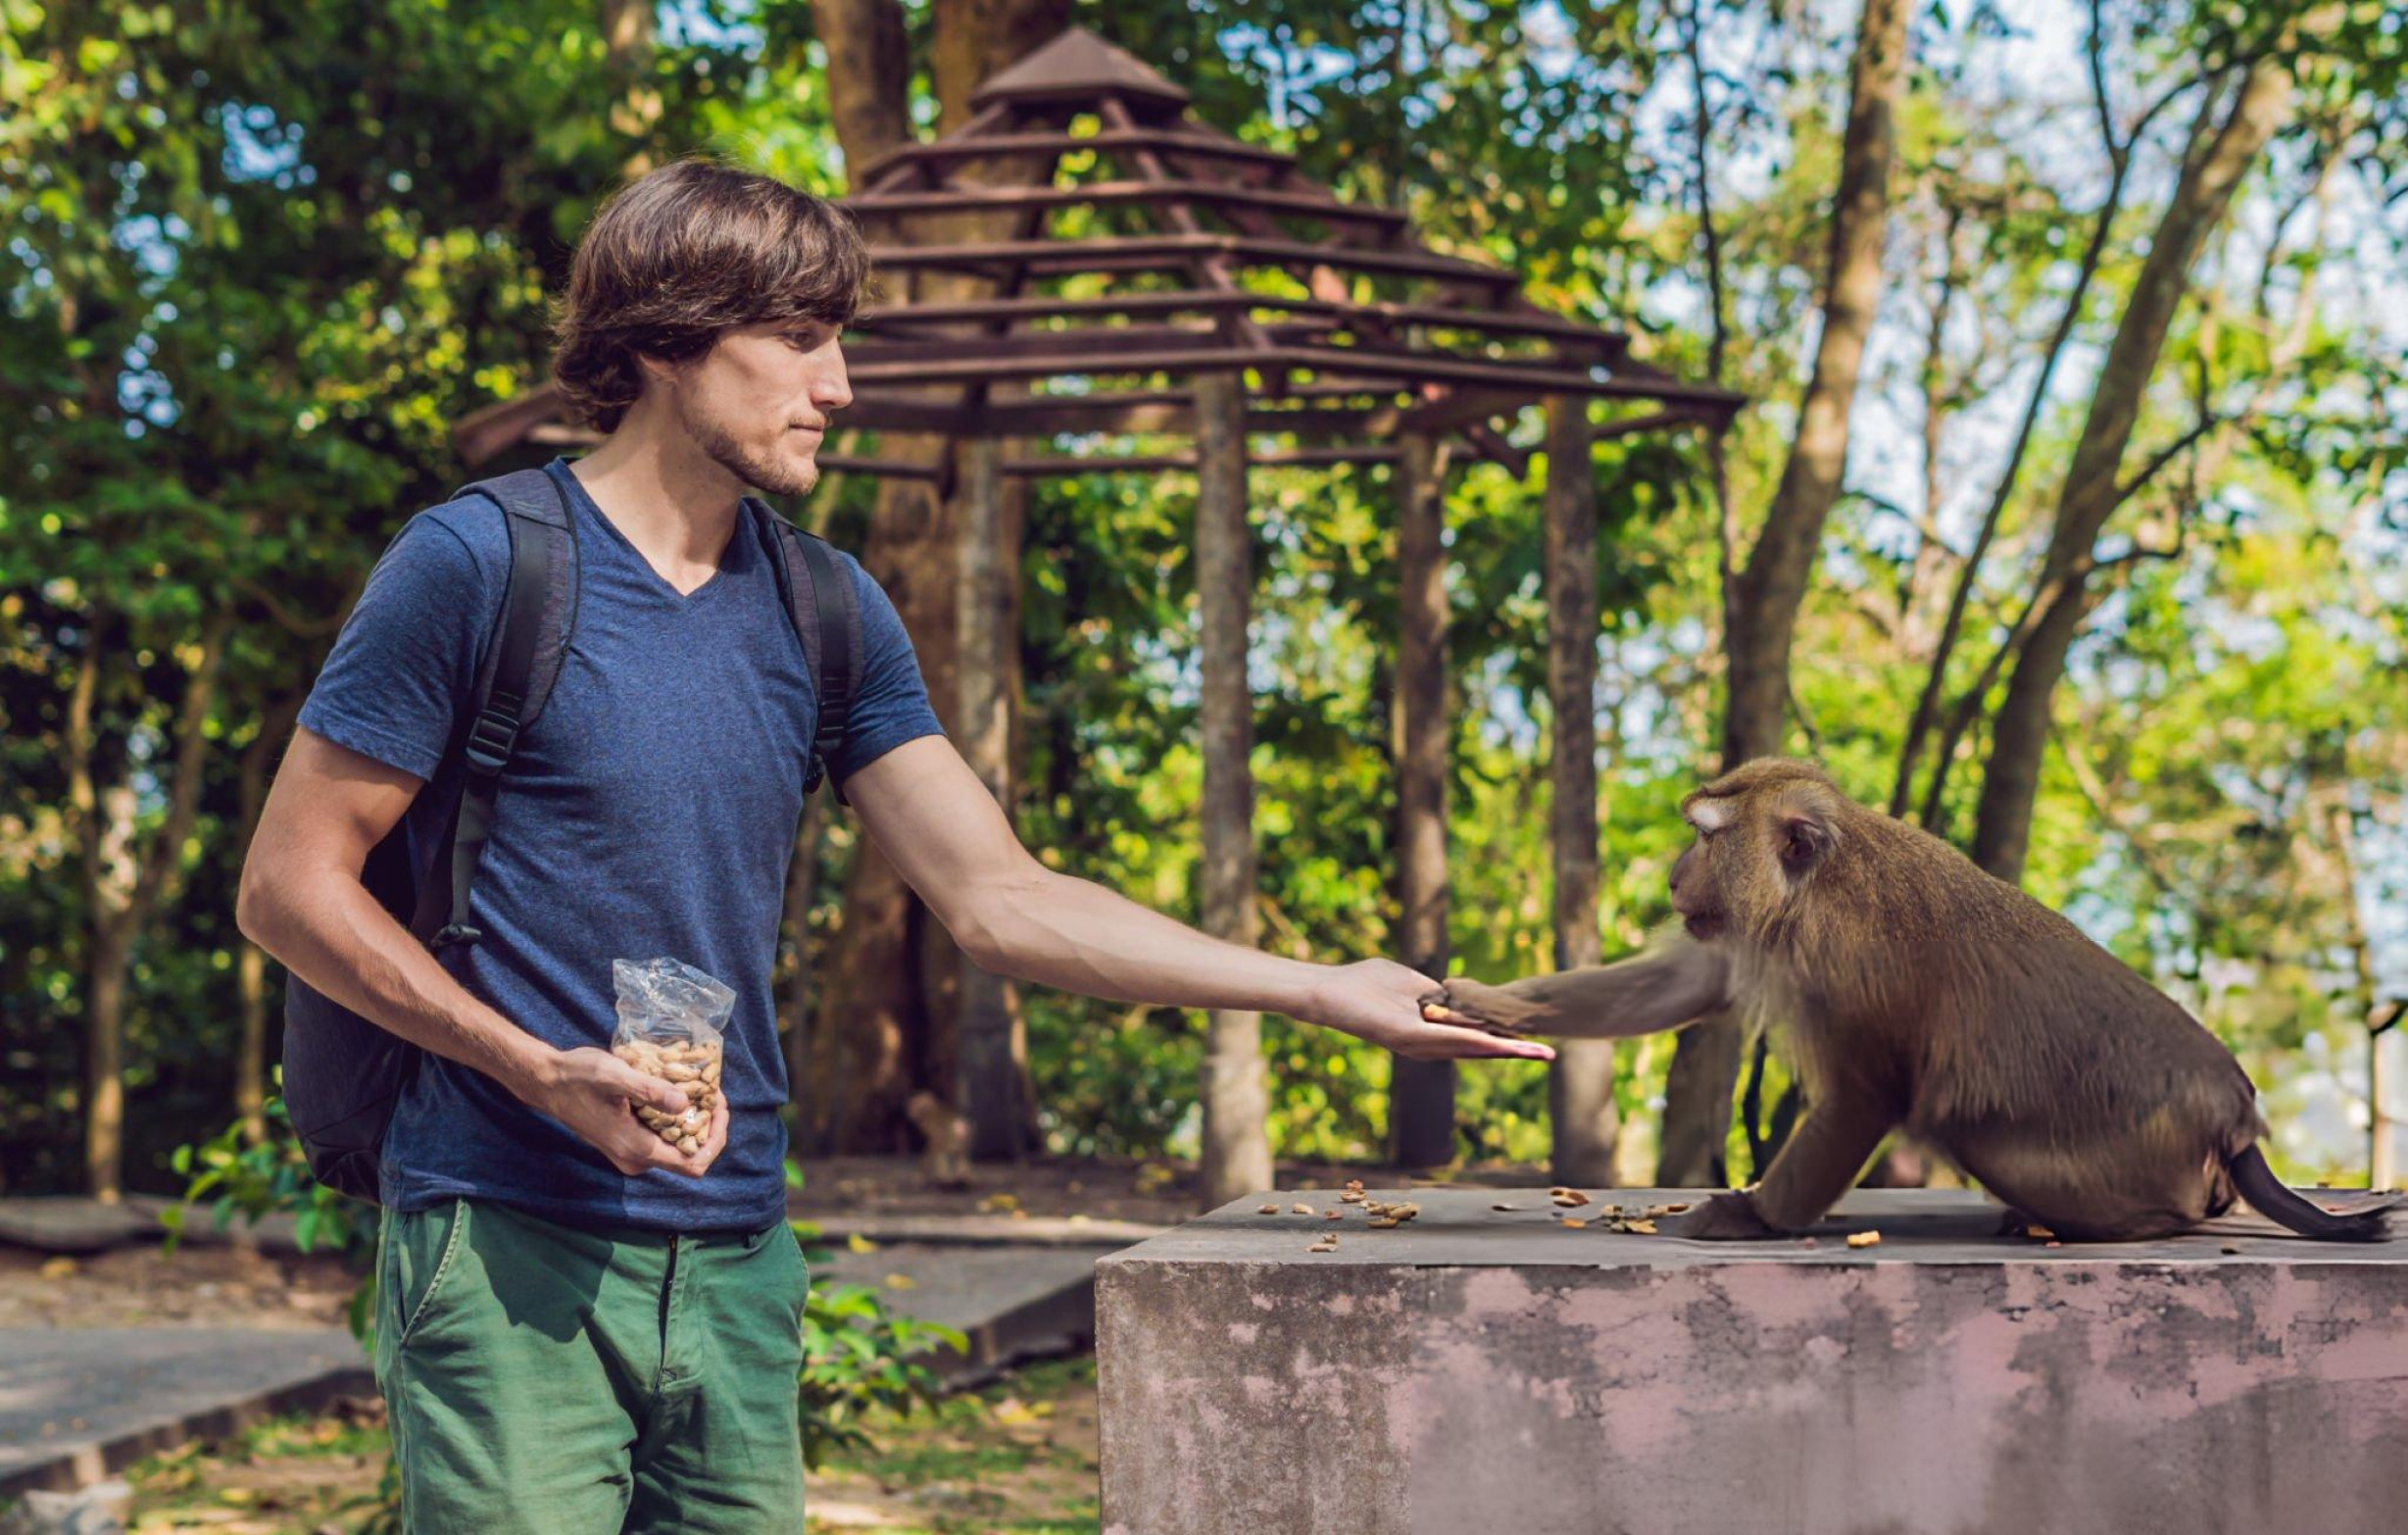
{"points": [[687, 252]]}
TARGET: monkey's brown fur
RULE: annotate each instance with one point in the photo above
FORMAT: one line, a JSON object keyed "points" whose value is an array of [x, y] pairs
{"points": [[1918, 992]]}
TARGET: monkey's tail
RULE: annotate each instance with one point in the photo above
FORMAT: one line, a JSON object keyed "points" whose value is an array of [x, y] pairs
{"points": [[2270, 1197]]}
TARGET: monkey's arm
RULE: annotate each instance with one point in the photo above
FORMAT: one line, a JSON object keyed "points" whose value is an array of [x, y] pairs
{"points": [[1819, 1164], [1662, 988]]}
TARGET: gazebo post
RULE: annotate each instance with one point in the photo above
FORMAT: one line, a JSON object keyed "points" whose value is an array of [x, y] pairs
{"points": [[1580, 1084], [988, 1084], [1421, 1093], [1237, 1147]]}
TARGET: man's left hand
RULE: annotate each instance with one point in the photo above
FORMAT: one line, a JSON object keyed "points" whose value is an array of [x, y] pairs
{"points": [[695, 1162], [1380, 1002]]}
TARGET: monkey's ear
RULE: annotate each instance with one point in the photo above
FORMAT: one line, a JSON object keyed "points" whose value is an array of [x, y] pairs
{"points": [[1806, 839]]}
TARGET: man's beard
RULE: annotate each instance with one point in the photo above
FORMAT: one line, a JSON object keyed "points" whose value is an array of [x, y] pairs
{"points": [[776, 478]]}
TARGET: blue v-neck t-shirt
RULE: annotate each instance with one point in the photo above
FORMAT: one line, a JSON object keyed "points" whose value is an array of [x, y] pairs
{"points": [[650, 810]]}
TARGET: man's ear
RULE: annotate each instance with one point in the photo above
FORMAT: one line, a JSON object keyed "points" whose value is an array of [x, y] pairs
{"points": [[1806, 839]]}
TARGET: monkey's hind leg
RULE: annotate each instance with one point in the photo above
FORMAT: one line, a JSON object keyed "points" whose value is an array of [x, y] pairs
{"points": [[2123, 1191], [1820, 1162]]}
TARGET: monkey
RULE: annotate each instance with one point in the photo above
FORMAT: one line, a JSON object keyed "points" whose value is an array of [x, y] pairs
{"points": [[946, 1157], [1916, 991]]}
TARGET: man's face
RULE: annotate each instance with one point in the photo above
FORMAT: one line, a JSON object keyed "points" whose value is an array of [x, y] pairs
{"points": [[759, 401]]}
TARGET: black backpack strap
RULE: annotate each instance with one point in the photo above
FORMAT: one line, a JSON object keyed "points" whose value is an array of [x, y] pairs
{"points": [[538, 615], [827, 619]]}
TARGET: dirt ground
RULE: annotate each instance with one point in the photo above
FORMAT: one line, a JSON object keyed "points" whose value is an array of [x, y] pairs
{"points": [[216, 1286]]}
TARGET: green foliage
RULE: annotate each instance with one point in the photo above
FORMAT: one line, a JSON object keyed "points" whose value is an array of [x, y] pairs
{"points": [[859, 1358], [255, 262], [237, 1178]]}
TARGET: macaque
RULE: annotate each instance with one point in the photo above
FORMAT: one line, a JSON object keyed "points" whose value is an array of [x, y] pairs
{"points": [[1917, 992], [946, 1157]]}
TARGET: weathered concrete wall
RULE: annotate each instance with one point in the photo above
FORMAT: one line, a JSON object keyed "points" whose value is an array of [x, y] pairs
{"points": [[1483, 1370]]}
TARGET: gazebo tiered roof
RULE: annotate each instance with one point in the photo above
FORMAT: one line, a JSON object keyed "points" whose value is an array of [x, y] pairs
{"points": [[1114, 248]]}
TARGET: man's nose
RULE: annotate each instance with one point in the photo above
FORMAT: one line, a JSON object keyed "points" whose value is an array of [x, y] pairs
{"points": [[832, 390]]}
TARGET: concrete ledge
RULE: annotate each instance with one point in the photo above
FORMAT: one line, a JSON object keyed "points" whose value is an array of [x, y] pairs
{"points": [[1483, 1370], [979, 1231]]}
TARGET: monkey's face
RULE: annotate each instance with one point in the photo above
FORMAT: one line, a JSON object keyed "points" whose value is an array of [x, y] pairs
{"points": [[1755, 850]]}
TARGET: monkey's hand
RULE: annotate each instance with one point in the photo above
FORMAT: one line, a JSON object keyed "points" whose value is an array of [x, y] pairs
{"points": [[1471, 1004], [1726, 1218], [1661, 988]]}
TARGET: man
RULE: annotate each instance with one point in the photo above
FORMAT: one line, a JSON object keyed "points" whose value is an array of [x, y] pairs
{"points": [[581, 1328]]}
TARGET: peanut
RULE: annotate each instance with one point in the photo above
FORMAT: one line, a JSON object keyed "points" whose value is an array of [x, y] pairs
{"points": [[693, 1066]]}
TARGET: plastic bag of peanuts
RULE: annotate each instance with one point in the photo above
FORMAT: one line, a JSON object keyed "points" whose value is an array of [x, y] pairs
{"points": [[670, 1021]]}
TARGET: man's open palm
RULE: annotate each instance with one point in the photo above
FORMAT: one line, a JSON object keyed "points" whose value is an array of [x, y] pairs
{"points": [[1380, 1002]]}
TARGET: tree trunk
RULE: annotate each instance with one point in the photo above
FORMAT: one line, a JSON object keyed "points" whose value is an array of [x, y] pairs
{"points": [[104, 1066], [251, 1048], [894, 978], [1580, 1084], [973, 40], [869, 77], [628, 28], [1762, 614], [1237, 1146], [801, 894], [2382, 1018], [2092, 490], [992, 1086], [1421, 1093], [2383, 1077], [125, 879], [251, 961]]}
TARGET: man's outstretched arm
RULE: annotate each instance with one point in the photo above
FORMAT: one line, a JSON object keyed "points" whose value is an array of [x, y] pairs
{"points": [[945, 834]]}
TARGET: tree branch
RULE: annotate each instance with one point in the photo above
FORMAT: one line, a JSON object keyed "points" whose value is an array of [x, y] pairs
{"points": [[1718, 332], [1969, 702], [1927, 704], [76, 746], [290, 621], [161, 864], [2167, 455], [2095, 794], [2095, 52]]}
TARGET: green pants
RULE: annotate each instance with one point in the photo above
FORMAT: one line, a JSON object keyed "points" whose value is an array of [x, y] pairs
{"points": [[559, 1381]]}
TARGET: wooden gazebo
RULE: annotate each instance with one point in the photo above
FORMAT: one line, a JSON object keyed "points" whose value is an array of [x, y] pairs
{"points": [[1090, 267]]}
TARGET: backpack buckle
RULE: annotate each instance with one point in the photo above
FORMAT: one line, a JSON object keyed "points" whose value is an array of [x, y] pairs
{"points": [[493, 735]]}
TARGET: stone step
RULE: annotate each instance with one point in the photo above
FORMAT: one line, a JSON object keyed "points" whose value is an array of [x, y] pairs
{"points": [[76, 1404], [1013, 1304], [76, 1226]]}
